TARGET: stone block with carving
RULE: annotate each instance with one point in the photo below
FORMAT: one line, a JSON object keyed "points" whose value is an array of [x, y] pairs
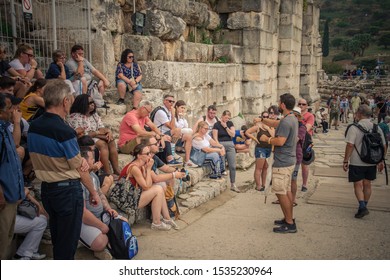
{"points": [[144, 47], [164, 25], [241, 20]]}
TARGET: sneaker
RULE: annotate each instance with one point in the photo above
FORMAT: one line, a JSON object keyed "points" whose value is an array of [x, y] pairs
{"points": [[161, 226], [103, 255], [171, 223], [174, 162], [191, 164], [224, 173], [361, 213], [120, 102], [304, 189], [234, 188], [21, 258], [262, 189], [281, 222], [177, 157], [37, 256], [286, 228]]}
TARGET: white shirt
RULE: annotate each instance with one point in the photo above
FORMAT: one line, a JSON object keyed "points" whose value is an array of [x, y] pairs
{"points": [[200, 144], [17, 65], [161, 117]]}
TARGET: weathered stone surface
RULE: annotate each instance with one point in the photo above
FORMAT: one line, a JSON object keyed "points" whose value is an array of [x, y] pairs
{"points": [[103, 53], [213, 20], [197, 14], [176, 7], [244, 161], [230, 6], [241, 20], [230, 53], [173, 50], [164, 25], [108, 16], [195, 52], [227, 36], [144, 47]]}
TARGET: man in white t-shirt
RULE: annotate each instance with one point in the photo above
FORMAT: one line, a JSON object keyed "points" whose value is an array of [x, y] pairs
{"points": [[360, 173], [164, 118], [211, 118]]}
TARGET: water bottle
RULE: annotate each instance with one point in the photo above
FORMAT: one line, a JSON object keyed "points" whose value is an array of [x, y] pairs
{"points": [[309, 148]]}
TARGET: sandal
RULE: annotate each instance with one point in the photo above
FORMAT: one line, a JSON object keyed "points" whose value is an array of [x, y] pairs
{"points": [[276, 202], [295, 204]]}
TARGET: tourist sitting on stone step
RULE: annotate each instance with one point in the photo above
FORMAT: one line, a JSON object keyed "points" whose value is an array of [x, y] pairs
{"points": [[184, 144], [93, 230], [128, 76], [33, 105], [81, 72], [164, 119], [144, 191], [83, 116], [206, 151], [132, 128], [223, 131], [59, 70], [33, 229]]}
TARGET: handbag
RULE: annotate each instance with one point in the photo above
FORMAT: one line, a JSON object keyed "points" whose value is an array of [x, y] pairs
{"points": [[197, 156], [27, 209]]}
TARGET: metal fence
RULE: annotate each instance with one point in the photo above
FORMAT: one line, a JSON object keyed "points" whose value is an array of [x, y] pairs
{"points": [[55, 24]]}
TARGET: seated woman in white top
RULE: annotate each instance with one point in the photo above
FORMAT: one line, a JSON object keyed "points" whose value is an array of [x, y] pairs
{"points": [[25, 64], [206, 151], [185, 132]]}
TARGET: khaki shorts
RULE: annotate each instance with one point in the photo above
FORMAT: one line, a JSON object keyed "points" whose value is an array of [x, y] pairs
{"points": [[128, 148], [281, 179]]}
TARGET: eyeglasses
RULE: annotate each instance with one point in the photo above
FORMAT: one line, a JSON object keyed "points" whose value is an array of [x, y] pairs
{"points": [[91, 102], [154, 144], [302, 104], [271, 113], [205, 127], [265, 117], [171, 101], [130, 56], [147, 110], [62, 57], [146, 154], [28, 54]]}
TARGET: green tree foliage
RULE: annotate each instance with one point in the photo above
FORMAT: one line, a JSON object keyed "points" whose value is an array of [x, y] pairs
{"points": [[337, 42], [384, 40], [325, 40], [351, 46], [332, 68], [364, 41]]}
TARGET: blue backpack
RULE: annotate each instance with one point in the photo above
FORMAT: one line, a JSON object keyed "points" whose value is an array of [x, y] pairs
{"points": [[123, 245]]}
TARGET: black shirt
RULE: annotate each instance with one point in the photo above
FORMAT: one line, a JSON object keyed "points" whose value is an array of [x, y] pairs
{"points": [[222, 133], [4, 66]]}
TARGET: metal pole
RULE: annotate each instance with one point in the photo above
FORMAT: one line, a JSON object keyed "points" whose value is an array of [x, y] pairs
{"points": [[13, 23], [133, 6], [89, 31], [54, 23]]}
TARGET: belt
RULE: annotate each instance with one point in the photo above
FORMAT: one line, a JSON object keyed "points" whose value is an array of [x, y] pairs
{"points": [[65, 183]]}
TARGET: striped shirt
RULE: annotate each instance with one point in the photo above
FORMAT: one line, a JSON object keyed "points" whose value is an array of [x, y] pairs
{"points": [[53, 148]]}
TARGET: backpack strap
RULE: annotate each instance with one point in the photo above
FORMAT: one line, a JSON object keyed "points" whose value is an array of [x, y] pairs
{"points": [[158, 108]]}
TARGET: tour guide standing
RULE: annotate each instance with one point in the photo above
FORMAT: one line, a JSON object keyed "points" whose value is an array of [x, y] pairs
{"points": [[360, 173], [57, 163], [285, 142]]}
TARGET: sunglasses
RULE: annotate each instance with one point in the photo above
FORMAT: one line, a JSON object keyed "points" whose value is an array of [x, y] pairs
{"points": [[265, 117], [28, 54], [271, 113], [171, 101], [130, 56], [302, 104]]}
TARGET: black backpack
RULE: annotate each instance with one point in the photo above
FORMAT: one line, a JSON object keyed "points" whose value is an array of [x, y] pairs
{"points": [[154, 111], [372, 150], [123, 245], [307, 145]]}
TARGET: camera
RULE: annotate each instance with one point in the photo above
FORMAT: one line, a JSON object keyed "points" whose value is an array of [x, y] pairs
{"points": [[186, 178]]}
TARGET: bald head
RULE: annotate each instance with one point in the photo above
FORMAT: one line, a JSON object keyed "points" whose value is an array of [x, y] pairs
{"points": [[302, 103]]}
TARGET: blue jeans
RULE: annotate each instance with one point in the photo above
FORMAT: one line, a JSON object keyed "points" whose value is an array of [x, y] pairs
{"points": [[64, 203]]}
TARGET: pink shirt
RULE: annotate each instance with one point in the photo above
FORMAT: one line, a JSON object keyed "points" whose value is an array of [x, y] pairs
{"points": [[126, 132], [308, 118]]}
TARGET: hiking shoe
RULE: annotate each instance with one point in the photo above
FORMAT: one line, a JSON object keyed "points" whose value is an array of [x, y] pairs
{"points": [[103, 255], [171, 223], [361, 213], [174, 162], [191, 164], [262, 189], [281, 222], [304, 189], [161, 226], [286, 228], [234, 188]]}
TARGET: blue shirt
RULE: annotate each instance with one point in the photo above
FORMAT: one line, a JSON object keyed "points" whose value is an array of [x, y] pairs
{"points": [[11, 176], [54, 71]]}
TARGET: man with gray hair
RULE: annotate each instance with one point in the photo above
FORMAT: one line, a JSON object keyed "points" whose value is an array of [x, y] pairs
{"points": [[360, 173], [56, 159], [132, 128]]}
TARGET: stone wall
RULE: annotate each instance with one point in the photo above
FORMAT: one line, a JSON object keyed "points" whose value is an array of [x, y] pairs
{"points": [[240, 55]]}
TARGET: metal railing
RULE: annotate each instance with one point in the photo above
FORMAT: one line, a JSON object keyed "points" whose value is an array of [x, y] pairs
{"points": [[55, 24]]}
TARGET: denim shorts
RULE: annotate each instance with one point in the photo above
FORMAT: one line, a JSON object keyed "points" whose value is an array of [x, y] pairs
{"points": [[262, 152], [128, 88]]}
